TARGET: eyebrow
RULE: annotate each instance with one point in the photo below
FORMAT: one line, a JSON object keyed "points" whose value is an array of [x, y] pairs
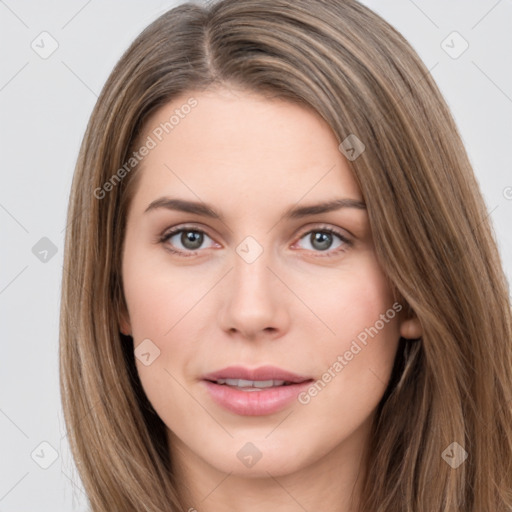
{"points": [[297, 212]]}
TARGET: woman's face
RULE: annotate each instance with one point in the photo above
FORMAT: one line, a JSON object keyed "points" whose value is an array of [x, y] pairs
{"points": [[232, 258]]}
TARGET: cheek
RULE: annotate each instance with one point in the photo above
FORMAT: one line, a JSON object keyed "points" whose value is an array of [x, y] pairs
{"points": [[160, 306], [163, 304], [358, 350], [354, 301], [157, 295]]}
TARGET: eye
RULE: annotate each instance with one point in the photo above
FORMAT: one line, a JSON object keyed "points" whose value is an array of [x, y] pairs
{"points": [[325, 240], [185, 239]]}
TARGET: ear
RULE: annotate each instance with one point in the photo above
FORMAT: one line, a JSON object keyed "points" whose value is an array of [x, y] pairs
{"points": [[124, 322], [410, 326]]}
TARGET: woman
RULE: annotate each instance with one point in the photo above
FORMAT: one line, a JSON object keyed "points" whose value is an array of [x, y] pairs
{"points": [[282, 289]]}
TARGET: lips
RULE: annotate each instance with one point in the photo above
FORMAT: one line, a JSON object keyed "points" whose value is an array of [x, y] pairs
{"points": [[254, 392], [263, 373]]}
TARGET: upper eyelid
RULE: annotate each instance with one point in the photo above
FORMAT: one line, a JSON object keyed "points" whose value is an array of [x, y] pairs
{"points": [[335, 231], [178, 229]]}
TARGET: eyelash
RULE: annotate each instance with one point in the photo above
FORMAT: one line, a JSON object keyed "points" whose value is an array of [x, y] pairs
{"points": [[323, 229]]}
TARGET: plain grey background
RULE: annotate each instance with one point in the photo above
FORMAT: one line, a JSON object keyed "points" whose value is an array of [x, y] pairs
{"points": [[45, 103]]}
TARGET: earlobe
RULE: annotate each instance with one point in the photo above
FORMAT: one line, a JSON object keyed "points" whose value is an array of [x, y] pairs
{"points": [[410, 328], [124, 324]]}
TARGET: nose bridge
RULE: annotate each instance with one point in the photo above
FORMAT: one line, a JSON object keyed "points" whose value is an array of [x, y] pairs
{"points": [[253, 304], [250, 273]]}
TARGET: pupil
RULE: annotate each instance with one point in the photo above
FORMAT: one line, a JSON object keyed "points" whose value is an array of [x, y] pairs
{"points": [[321, 240], [191, 239]]}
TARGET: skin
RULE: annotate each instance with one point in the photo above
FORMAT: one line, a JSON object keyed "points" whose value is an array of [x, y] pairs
{"points": [[294, 307]]}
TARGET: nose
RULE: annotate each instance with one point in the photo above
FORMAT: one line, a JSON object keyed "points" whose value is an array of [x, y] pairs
{"points": [[256, 304]]}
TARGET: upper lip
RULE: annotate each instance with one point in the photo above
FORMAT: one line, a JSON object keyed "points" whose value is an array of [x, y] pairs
{"points": [[261, 373]]}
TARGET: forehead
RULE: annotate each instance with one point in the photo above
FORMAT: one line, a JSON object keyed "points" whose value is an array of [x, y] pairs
{"points": [[234, 144]]}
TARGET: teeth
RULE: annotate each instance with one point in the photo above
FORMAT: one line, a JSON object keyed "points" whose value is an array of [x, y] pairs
{"points": [[241, 383]]}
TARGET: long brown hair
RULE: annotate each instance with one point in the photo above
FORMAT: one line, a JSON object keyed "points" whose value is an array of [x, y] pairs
{"points": [[431, 233]]}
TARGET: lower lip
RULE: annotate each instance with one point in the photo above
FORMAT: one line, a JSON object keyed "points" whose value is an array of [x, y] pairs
{"points": [[254, 403]]}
